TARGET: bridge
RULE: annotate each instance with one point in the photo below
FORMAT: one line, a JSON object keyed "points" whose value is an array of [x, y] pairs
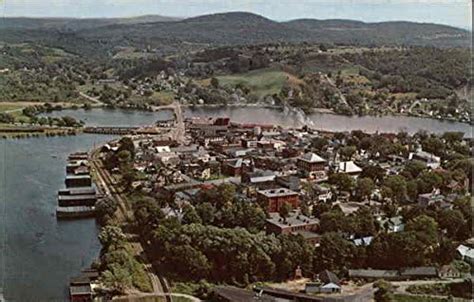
{"points": [[111, 130]]}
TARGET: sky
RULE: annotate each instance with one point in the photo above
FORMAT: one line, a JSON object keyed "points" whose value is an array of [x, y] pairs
{"points": [[451, 12]]}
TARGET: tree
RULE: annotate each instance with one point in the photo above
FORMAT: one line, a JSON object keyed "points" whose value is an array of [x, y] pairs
{"points": [[128, 177], [376, 173], [124, 157], [415, 167], [105, 209], [364, 188], [190, 215], [343, 181], [111, 236], [147, 214], [334, 253], [126, 143], [398, 186], [451, 221], [383, 291], [215, 82], [285, 210], [319, 143], [335, 221], [347, 152], [427, 181], [425, 228], [364, 221], [207, 212], [116, 278]]}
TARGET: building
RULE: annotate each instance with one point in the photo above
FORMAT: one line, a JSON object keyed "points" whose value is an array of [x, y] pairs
{"points": [[466, 253], [273, 199], [78, 181], [311, 162], [295, 223], [428, 199], [421, 272], [429, 159], [373, 274], [393, 224], [290, 182], [349, 167], [259, 179], [327, 283]]}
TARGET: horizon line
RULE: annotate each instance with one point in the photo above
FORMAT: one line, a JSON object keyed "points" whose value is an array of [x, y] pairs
{"points": [[180, 18]]}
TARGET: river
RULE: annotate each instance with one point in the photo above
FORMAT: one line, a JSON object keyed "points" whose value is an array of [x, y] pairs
{"points": [[287, 118], [40, 254]]}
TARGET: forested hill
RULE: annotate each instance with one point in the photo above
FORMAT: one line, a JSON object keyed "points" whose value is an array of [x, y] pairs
{"points": [[230, 29]]}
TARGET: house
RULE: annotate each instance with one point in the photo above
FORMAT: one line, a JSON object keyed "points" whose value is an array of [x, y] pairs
{"points": [[295, 223], [363, 241], [168, 158], [428, 199], [310, 162], [232, 167], [466, 253], [449, 271], [392, 224], [327, 282], [429, 159], [323, 194], [260, 179], [349, 167], [273, 199]]}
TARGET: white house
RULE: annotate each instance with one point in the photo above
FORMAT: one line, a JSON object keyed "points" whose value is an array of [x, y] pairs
{"points": [[466, 253], [429, 159]]}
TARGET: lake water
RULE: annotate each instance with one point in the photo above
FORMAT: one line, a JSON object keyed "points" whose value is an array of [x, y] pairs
{"points": [[40, 254], [286, 118]]}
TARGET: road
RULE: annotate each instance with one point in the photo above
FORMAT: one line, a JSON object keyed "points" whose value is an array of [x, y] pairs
{"points": [[92, 99], [178, 131]]}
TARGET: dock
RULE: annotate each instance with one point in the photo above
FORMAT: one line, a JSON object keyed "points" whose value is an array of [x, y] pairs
{"points": [[75, 212], [78, 198]]}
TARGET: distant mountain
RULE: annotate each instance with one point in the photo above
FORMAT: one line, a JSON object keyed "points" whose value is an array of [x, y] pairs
{"points": [[229, 29], [221, 29], [393, 32], [75, 24]]}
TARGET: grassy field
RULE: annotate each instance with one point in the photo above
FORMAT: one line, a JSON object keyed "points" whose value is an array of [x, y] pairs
{"points": [[260, 82], [10, 106]]}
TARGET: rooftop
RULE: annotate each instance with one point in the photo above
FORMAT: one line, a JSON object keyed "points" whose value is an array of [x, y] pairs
{"points": [[294, 219], [277, 192], [312, 158], [349, 167]]}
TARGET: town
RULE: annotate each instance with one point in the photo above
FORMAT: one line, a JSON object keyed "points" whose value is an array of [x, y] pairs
{"points": [[306, 215]]}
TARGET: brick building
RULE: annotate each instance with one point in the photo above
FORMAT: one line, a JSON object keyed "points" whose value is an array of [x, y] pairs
{"points": [[311, 162], [273, 199]]}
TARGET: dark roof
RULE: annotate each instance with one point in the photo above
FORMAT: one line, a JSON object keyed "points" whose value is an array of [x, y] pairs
{"points": [[328, 277], [419, 271], [372, 273]]}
